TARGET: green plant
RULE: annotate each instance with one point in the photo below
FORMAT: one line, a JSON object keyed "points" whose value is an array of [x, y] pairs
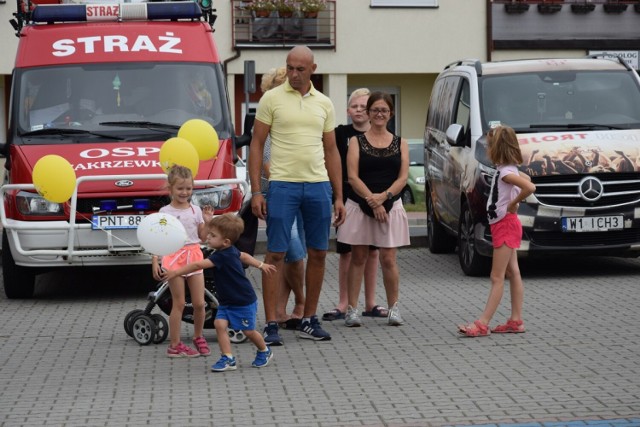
{"points": [[289, 6], [312, 5], [261, 5]]}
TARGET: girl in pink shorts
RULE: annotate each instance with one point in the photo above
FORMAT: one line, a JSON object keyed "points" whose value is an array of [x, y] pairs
{"points": [[193, 219], [508, 188]]}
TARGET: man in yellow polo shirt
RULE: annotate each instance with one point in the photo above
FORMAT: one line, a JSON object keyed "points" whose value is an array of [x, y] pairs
{"points": [[305, 166]]}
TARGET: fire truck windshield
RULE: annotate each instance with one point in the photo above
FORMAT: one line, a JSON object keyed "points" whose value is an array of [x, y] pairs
{"points": [[99, 96]]}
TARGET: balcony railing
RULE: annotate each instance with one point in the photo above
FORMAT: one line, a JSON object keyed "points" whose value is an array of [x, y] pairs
{"points": [[274, 31]]}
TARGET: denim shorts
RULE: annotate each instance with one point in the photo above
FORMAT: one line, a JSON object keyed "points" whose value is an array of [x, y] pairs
{"points": [[240, 317], [297, 249], [285, 200]]}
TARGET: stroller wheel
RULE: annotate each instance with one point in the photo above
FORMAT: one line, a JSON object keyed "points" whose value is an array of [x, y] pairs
{"points": [[128, 319], [163, 328], [144, 329], [236, 337]]}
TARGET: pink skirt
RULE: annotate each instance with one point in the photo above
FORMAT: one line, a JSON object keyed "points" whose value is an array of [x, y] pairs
{"points": [[507, 231], [361, 229], [183, 256]]}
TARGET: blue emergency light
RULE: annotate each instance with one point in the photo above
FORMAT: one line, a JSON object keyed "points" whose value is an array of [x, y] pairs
{"points": [[112, 205], [129, 11]]}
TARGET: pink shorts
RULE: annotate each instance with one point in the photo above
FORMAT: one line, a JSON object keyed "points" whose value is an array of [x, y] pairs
{"points": [[507, 231], [183, 256]]}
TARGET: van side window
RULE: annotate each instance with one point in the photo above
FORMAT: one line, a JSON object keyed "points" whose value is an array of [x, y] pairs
{"points": [[463, 107]]}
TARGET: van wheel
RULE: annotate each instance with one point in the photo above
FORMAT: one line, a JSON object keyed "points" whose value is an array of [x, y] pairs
{"points": [[407, 197], [19, 282], [438, 240], [472, 263]]}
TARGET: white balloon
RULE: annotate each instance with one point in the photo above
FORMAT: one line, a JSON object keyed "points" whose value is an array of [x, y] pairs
{"points": [[161, 234]]}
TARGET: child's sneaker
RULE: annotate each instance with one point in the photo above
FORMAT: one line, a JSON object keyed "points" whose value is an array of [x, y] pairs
{"points": [[201, 345], [311, 330], [225, 363], [262, 358], [182, 350]]}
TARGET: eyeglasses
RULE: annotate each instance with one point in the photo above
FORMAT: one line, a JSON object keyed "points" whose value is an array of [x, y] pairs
{"points": [[376, 111]]}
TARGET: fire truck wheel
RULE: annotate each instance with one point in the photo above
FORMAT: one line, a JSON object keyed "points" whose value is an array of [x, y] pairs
{"points": [[19, 282], [144, 329]]}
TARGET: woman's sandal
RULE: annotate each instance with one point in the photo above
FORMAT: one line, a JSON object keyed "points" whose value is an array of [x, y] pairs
{"points": [[376, 311], [334, 314], [511, 327], [475, 329], [292, 324]]}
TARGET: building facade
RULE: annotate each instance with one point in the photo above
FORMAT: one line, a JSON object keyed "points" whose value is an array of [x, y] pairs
{"points": [[398, 46]]}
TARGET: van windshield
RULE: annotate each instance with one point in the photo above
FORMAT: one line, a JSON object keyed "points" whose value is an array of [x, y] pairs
{"points": [[120, 97], [562, 98]]}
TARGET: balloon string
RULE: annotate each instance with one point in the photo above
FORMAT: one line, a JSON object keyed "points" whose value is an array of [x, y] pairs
{"points": [[125, 243]]}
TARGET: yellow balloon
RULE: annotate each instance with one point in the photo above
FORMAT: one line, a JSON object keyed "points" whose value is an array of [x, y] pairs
{"points": [[178, 151], [203, 137], [54, 178]]}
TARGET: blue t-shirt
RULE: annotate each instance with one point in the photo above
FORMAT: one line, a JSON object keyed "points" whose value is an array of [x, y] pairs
{"points": [[232, 285]]}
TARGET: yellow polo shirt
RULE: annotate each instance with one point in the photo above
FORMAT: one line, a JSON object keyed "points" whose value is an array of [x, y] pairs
{"points": [[297, 124]]}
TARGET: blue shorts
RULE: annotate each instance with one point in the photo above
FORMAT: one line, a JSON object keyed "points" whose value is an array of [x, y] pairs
{"points": [[240, 317], [285, 200], [297, 249]]}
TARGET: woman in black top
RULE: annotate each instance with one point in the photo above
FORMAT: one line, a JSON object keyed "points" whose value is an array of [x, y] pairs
{"points": [[378, 166]]}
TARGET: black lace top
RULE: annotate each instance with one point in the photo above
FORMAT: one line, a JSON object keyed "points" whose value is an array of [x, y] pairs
{"points": [[378, 168]]}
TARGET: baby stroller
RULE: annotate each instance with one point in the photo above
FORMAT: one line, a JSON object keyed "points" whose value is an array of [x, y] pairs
{"points": [[146, 327]]}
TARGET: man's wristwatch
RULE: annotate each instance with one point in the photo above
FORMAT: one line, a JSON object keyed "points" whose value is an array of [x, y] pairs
{"points": [[389, 195]]}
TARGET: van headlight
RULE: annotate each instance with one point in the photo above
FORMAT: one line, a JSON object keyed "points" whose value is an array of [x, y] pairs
{"points": [[420, 180], [217, 197], [35, 204]]}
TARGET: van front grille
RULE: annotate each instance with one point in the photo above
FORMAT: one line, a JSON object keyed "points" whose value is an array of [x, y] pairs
{"points": [[563, 191]]}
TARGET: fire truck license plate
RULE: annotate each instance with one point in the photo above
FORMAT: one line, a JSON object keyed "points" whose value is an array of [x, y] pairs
{"points": [[592, 223], [115, 222]]}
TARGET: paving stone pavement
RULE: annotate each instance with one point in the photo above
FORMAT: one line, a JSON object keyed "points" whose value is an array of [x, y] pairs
{"points": [[66, 360]]}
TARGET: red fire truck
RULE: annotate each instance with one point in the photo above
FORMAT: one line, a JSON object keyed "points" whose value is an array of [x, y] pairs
{"points": [[104, 85]]}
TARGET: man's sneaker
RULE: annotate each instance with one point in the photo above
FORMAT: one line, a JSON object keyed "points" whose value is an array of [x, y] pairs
{"points": [[394, 318], [262, 358], [182, 350], [271, 336], [225, 363], [352, 319], [311, 330], [201, 345]]}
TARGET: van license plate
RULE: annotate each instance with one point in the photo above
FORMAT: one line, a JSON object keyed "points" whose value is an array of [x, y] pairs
{"points": [[592, 223], [115, 222]]}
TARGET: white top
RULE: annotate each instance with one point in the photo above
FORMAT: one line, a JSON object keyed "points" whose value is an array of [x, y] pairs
{"points": [[501, 193], [190, 217]]}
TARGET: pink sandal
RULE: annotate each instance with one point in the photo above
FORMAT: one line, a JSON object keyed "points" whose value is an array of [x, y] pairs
{"points": [[475, 329], [511, 327]]}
